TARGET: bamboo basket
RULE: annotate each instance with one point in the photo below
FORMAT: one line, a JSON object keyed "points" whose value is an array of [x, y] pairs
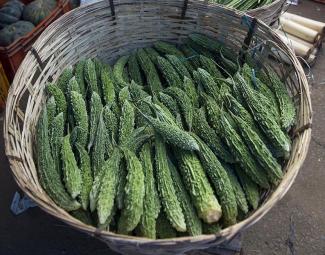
{"points": [[109, 30], [269, 13]]}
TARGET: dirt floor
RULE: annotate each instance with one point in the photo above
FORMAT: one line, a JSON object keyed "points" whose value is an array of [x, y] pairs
{"points": [[295, 226]]}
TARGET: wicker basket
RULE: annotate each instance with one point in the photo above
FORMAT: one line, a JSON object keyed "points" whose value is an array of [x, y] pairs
{"points": [[109, 31], [269, 13]]}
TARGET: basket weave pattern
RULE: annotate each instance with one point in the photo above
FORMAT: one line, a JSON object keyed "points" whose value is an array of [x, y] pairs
{"points": [[92, 31]]}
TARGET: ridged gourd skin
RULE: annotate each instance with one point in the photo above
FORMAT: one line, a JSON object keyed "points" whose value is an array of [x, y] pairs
{"points": [[91, 77], [220, 180], [152, 53], [211, 229], [51, 109], [111, 123], [95, 189], [60, 100], [191, 91], [179, 65], [86, 175], [80, 116], [118, 70], [99, 149], [173, 134], [260, 151], [121, 184], [108, 188], [56, 133], [168, 72], [201, 50], [79, 73], [64, 79], [125, 74], [134, 194], [107, 83], [138, 138], [265, 119], [83, 216], [285, 103], [238, 190], [135, 70], [99, 65], [48, 176], [192, 56], [164, 228], [169, 102], [151, 204], [210, 137], [123, 95], [72, 86], [193, 222], [184, 103], [210, 66], [250, 188], [207, 82], [150, 71], [110, 221], [137, 97], [166, 188], [96, 107], [197, 184], [127, 120], [71, 171]]}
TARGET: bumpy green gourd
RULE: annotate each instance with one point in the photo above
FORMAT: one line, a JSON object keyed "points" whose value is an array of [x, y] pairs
{"points": [[164, 228], [126, 122], [91, 77], [123, 95], [114, 161], [51, 109], [110, 221], [201, 50], [169, 102], [80, 116], [208, 84], [121, 184], [107, 83], [260, 151], [179, 65], [118, 70], [96, 108], [72, 86], [86, 175], [167, 48], [190, 90], [79, 73], [285, 103], [48, 176], [108, 187], [134, 194], [192, 56], [184, 103], [56, 132], [151, 204], [211, 229], [149, 69], [210, 66], [99, 148], [111, 123], [57, 93], [250, 188], [198, 186], [99, 65], [125, 75], [71, 172], [137, 96], [238, 190], [220, 181], [210, 137], [138, 138], [265, 119], [166, 188], [193, 223], [152, 53], [135, 70], [168, 72], [64, 79], [173, 134], [83, 216]]}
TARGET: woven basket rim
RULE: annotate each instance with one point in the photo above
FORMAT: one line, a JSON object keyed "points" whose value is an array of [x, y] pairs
{"points": [[227, 232], [264, 7]]}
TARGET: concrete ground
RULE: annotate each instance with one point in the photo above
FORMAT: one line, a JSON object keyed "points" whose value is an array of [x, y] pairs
{"points": [[294, 226]]}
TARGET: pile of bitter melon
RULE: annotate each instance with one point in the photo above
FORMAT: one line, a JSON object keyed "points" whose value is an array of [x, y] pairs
{"points": [[169, 141]]}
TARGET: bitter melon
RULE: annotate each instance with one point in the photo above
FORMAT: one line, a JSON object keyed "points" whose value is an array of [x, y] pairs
{"points": [[220, 181], [211, 229], [96, 108], [164, 228], [121, 184], [134, 194], [86, 175], [190, 90], [79, 73], [191, 56], [168, 72], [83, 216], [193, 222], [111, 123], [51, 109], [64, 79], [127, 119], [167, 192], [178, 63], [91, 77], [107, 86], [118, 70], [56, 132], [169, 102], [48, 176], [207, 82], [153, 54], [71, 172], [210, 66], [57, 93], [167, 48], [134, 70]]}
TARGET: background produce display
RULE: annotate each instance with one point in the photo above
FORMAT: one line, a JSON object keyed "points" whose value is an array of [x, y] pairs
{"points": [[243, 5], [169, 141]]}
